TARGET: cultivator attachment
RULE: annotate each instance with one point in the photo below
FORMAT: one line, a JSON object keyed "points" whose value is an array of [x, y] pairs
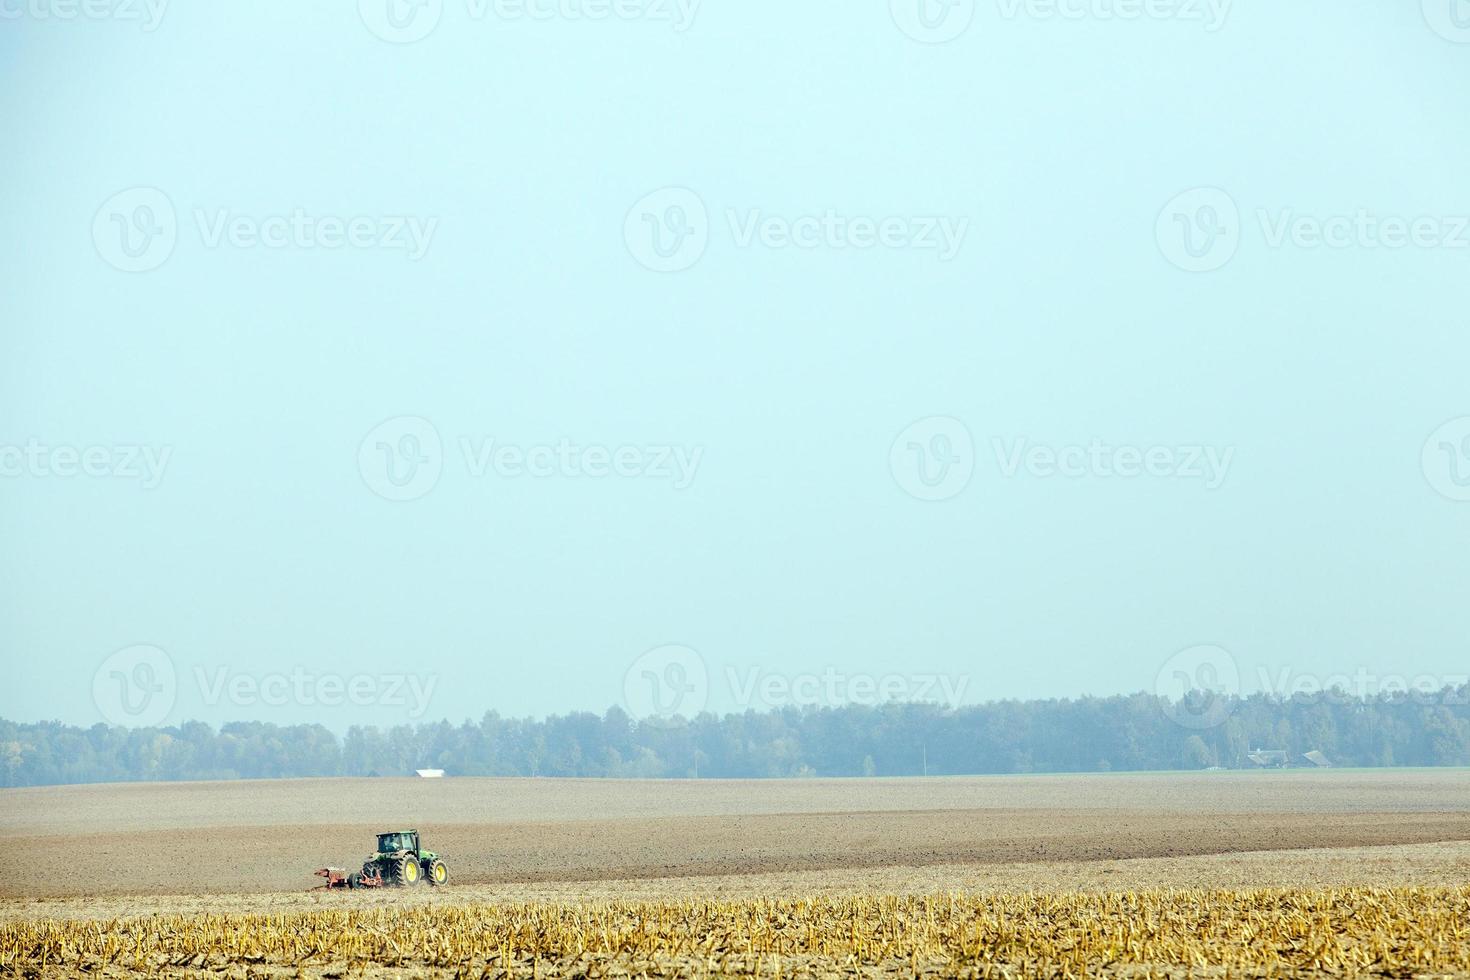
{"points": [[342, 878]]}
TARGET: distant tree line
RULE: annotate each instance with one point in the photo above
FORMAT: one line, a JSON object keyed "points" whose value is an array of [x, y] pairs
{"points": [[1129, 732]]}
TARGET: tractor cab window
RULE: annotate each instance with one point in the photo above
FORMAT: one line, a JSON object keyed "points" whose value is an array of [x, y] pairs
{"points": [[390, 842]]}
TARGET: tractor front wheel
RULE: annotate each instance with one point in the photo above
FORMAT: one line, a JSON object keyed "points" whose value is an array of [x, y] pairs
{"points": [[438, 873]]}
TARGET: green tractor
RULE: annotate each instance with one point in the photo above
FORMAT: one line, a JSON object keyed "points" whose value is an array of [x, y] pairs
{"points": [[401, 861]]}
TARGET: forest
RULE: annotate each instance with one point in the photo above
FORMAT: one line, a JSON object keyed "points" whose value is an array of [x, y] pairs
{"points": [[1126, 732]]}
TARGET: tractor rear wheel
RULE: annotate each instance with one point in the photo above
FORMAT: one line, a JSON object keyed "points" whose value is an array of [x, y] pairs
{"points": [[406, 871], [438, 873]]}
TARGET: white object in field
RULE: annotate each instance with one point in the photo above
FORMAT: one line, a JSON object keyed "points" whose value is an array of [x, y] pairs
{"points": [[430, 773]]}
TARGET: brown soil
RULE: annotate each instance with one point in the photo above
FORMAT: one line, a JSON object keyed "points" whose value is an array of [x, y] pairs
{"points": [[521, 835]]}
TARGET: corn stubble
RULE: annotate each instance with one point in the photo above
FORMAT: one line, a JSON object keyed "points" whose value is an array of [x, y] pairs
{"points": [[1341, 932]]}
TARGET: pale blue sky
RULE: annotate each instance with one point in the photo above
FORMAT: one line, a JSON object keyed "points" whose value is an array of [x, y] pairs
{"points": [[524, 152]]}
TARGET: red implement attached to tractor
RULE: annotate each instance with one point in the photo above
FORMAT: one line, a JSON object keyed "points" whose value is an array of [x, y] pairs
{"points": [[342, 878]]}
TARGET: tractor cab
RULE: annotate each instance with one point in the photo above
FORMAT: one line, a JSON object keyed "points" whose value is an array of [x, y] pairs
{"points": [[398, 841]]}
